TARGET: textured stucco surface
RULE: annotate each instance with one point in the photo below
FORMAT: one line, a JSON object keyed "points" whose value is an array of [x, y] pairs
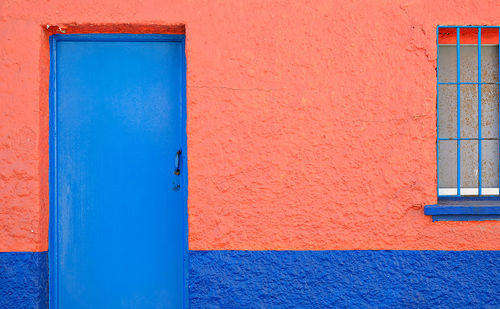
{"points": [[291, 279], [344, 279], [23, 280], [311, 124]]}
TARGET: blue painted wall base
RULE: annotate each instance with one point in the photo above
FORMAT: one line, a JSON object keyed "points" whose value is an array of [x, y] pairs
{"points": [[24, 280], [302, 279], [344, 279]]}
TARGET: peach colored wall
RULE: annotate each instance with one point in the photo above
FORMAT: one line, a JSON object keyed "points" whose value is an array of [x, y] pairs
{"points": [[311, 124]]}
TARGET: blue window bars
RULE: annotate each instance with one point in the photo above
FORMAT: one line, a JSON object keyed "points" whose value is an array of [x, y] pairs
{"points": [[468, 100]]}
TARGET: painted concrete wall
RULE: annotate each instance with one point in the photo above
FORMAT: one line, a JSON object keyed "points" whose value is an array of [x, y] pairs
{"points": [[344, 279], [23, 280], [311, 124]]}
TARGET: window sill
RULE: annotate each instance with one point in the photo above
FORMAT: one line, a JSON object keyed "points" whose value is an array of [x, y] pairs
{"points": [[464, 210]]}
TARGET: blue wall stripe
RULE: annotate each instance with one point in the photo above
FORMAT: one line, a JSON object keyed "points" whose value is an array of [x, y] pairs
{"points": [[24, 280], [302, 279], [344, 279]]}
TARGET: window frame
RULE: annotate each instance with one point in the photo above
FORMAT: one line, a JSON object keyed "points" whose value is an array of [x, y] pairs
{"points": [[461, 207]]}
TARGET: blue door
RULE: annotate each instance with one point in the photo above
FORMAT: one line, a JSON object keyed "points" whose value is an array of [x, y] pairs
{"points": [[118, 171]]}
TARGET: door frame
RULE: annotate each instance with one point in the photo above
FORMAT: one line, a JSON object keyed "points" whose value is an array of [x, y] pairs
{"points": [[53, 184]]}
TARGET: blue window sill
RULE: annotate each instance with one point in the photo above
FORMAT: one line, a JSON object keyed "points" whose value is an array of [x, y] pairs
{"points": [[464, 209]]}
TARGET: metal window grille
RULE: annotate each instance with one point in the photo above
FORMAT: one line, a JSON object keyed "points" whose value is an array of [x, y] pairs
{"points": [[468, 113]]}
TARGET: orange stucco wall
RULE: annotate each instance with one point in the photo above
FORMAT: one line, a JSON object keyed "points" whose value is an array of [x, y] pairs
{"points": [[311, 124]]}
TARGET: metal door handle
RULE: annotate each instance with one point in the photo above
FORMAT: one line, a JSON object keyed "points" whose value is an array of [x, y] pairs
{"points": [[178, 162]]}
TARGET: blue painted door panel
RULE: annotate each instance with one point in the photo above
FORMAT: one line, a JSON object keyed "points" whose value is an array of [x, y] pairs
{"points": [[119, 217]]}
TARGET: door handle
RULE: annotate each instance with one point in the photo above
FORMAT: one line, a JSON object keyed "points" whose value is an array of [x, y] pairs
{"points": [[178, 162]]}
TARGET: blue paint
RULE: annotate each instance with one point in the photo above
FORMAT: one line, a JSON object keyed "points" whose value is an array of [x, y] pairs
{"points": [[470, 83], [478, 208], [472, 200], [458, 83], [118, 228], [467, 139], [437, 111], [184, 179], [439, 209], [480, 124], [120, 37], [458, 112], [24, 280], [344, 279], [302, 279], [466, 217]]}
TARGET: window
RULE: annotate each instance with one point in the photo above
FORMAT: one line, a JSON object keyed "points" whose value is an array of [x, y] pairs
{"points": [[468, 130]]}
